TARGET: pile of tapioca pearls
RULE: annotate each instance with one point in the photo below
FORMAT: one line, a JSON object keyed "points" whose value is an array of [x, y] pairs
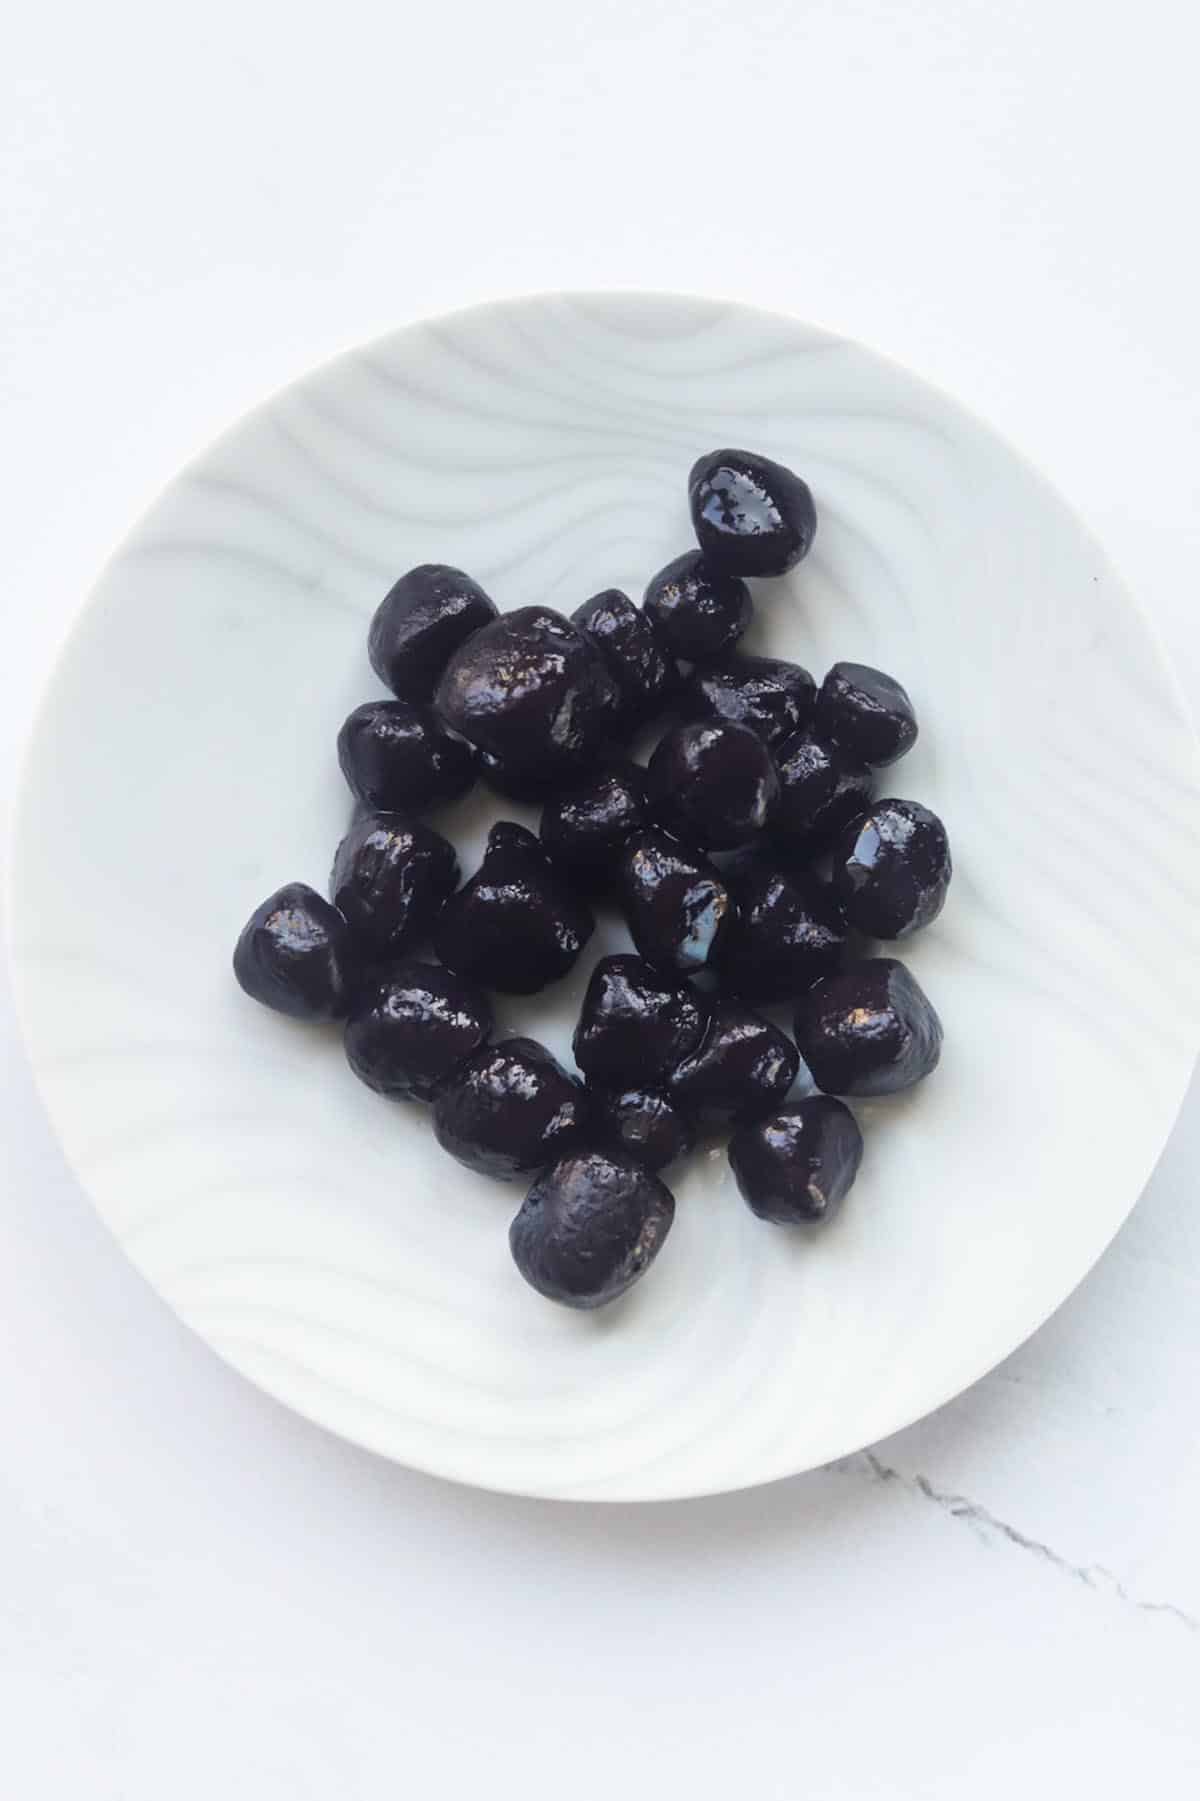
{"points": [[749, 852]]}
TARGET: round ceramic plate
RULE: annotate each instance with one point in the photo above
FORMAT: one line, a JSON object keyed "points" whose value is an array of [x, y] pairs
{"points": [[183, 767]]}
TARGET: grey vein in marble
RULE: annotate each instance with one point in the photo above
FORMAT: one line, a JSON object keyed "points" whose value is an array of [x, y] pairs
{"points": [[987, 1526]]}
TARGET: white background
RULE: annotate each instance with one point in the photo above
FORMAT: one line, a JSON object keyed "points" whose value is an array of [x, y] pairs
{"points": [[201, 1596]]}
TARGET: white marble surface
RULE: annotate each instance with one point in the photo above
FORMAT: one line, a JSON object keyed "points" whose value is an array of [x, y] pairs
{"points": [[200, 1594]]}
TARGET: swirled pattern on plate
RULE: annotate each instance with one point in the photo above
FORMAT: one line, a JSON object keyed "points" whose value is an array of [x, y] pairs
{"points": [[183, 766]]}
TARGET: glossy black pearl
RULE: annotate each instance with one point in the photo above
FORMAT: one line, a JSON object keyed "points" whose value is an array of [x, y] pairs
{"points": [[820, 790], [870, 1030], [584, 828], [635, 1024], [891, 869], [643, 1122], [590, 1227], [532, 691], [413, 1027], [713, 784], [420, 623], [397, 758], [627, 641], [774, 699], [796, 1167], [675, 902], [865, 713], [296, 956], [789, 933], [515, 925], [751, 516], [390, 879], [510, 1109], [697, 611], [741, 1069]]}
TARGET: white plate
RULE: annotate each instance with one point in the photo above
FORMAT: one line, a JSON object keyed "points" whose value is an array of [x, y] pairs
{"points": [[183, 766]]}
